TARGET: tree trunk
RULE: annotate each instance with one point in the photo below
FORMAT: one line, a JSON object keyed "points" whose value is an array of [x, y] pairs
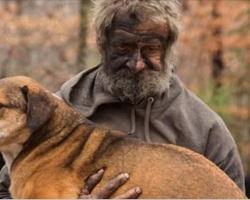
{"points": [[185, 6], [217, 54], [82, 35]]}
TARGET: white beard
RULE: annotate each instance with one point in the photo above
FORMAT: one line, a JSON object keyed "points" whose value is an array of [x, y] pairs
{"points": [[133, 88]]}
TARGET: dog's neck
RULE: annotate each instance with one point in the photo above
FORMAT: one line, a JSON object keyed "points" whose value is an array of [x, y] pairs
{"points": [[10, 152]]}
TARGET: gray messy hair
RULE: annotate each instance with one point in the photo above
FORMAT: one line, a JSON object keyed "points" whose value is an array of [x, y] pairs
{"points": [[156, 10]]}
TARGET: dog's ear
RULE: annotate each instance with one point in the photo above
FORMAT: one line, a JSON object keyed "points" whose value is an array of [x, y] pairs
{"points": [[39, 108]]}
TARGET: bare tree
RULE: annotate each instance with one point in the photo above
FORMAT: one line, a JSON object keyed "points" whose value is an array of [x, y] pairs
{"points": [[217, 55], [84, 5], [185, 5]]}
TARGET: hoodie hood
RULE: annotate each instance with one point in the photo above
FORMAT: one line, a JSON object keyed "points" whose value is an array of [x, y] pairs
{"points": [[85, 92]]}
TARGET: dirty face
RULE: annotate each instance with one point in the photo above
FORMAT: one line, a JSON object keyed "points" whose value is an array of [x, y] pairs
{"points": [[137, 47], [135, 57]]}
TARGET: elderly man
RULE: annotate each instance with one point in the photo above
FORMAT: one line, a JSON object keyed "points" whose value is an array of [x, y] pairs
{"points": [[135, 90]]}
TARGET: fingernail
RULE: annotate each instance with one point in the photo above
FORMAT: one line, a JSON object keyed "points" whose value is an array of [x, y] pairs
{"points": [[126, 175], [138, 190]]}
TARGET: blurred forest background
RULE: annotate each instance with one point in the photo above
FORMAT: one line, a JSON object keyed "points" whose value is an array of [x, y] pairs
{"points": [[52, 40]]}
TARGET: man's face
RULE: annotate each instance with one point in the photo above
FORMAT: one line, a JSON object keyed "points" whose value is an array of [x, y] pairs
{"points": [[135, 59]]}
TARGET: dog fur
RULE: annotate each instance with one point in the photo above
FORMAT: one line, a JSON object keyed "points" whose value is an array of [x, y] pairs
{"points": [[51, 150]]}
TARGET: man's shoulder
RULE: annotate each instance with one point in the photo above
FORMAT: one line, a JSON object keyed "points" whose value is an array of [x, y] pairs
{"points": [[204, 114], [186, 99], [189, 104]]}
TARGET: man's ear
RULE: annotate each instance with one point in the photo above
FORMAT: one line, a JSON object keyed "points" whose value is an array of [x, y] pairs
{"points": [[39, 108]]}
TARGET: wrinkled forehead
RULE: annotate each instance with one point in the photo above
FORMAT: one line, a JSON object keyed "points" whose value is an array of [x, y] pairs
{"points": [[137, 23]]}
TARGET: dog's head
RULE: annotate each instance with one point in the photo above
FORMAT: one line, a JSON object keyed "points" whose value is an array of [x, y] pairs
{"points": [[24, 107]]}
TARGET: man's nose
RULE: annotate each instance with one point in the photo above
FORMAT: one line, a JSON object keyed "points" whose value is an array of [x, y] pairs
{"points": [[136, 64]]}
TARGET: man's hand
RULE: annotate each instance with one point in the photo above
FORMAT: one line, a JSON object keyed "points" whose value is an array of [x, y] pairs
{"points": [[109, 188]]}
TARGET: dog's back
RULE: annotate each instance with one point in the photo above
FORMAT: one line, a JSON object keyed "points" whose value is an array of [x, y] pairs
{"points": [[60, 150], [162, 171], [168, 171]]}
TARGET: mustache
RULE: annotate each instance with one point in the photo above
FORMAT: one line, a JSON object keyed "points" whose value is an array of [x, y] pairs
{"points": [[120, 64]]}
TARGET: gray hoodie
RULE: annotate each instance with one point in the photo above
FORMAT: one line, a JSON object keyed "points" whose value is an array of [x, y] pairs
{"points": [[177, 117]]}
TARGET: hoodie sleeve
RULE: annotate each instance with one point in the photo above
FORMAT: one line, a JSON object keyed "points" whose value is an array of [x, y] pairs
{"points": [[222, 150], [4, 184]]}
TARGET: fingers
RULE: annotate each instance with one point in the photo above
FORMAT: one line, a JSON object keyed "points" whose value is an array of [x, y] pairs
{"points": [[118, 133], [109, 188], [92, 181], [133, 193]]}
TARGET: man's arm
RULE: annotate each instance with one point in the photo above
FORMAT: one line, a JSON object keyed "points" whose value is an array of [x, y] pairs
{"points": [[232, 166], [222, 150]]}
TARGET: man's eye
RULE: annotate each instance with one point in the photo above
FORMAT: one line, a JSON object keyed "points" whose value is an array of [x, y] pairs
{"points": [[121, 48], [152, 49]]}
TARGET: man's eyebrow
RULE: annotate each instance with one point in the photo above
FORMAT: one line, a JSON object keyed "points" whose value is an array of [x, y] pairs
{"points": [[123, 34], [151, 37]]}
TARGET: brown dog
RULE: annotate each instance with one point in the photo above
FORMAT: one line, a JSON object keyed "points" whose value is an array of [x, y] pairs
{"points": [[50, 149]]}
